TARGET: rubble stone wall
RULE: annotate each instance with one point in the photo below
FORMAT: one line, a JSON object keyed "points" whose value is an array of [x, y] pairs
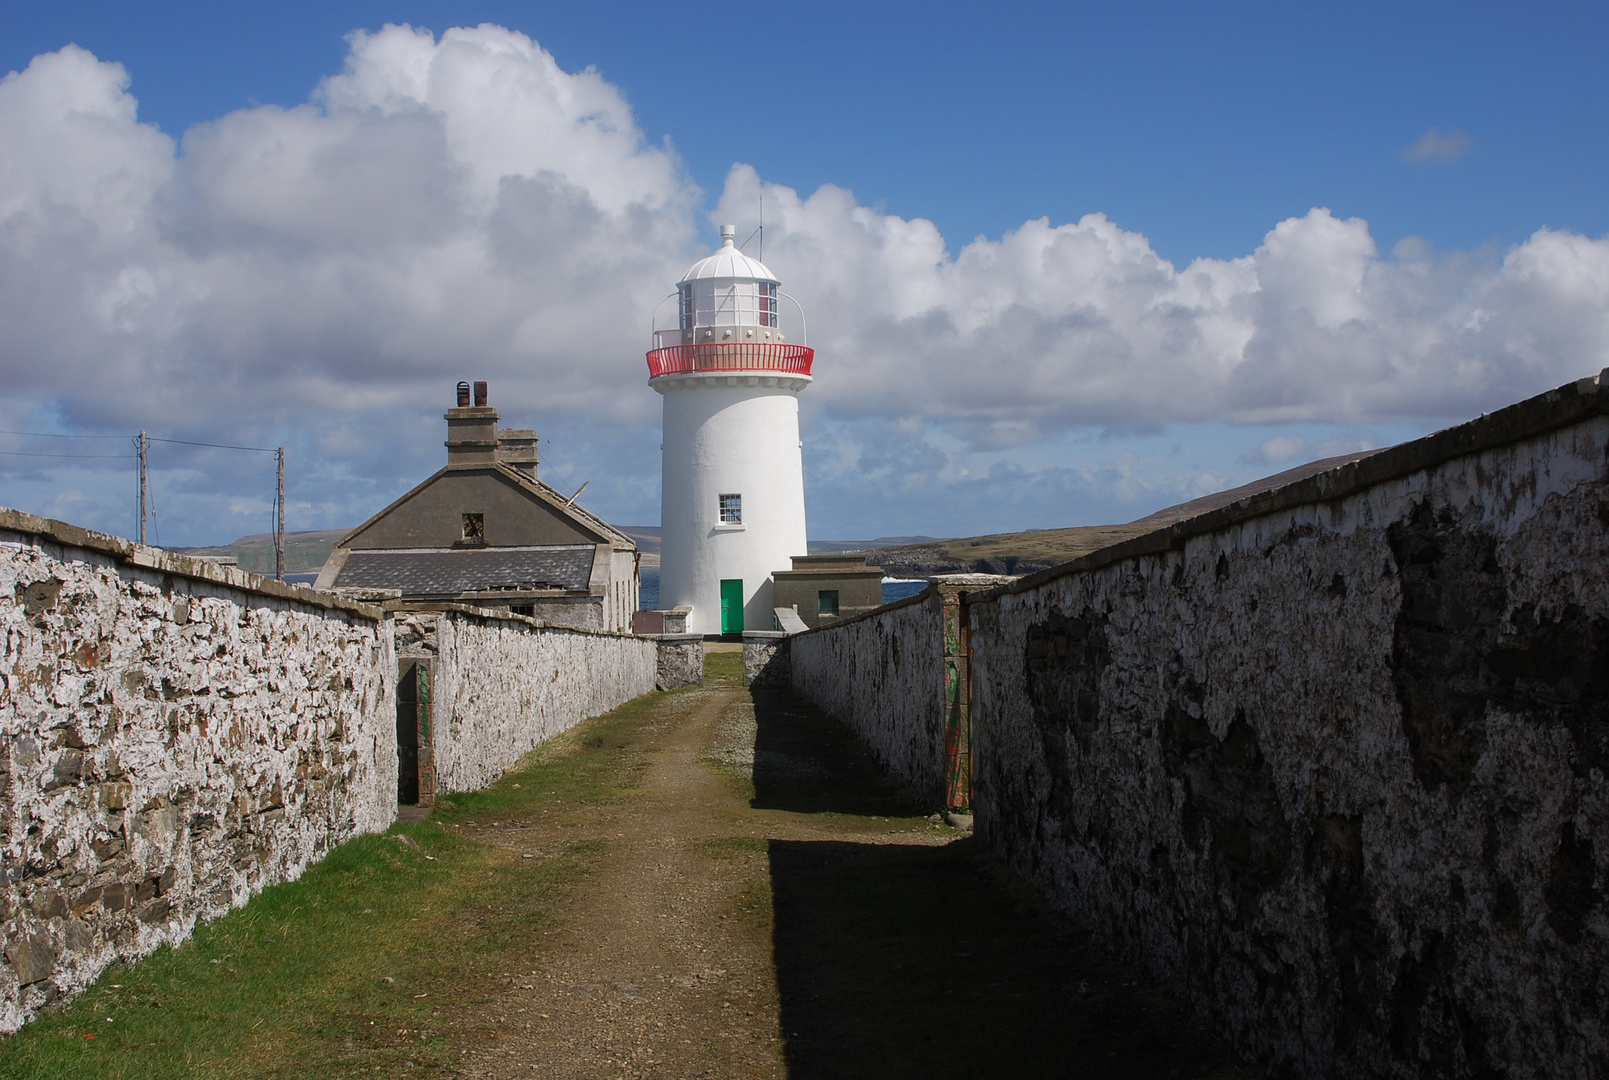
{"points": [[680, 661], [1334, 763], [882, 675], [765, 658], [503, 685], [174, 737]]}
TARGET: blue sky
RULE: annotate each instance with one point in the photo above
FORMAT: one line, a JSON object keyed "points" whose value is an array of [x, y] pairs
{"points": [[1195, 129], [1197, 125]]}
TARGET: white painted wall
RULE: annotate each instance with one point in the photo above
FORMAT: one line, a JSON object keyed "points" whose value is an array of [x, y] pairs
{"points": [[729, 434]]}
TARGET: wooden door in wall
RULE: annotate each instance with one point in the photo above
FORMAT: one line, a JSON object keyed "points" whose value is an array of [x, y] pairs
{"points": [[732, 606]]}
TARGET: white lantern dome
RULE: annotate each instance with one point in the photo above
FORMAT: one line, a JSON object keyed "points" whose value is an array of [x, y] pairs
{"points": [[728, 264], [728, 296]]}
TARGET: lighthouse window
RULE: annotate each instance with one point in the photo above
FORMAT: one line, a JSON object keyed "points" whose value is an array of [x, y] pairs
{"points": [[731, 509], [688, 313], [768, 303]]}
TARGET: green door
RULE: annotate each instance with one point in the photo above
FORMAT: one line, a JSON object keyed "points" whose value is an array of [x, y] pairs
{"points": [[732, 606]]}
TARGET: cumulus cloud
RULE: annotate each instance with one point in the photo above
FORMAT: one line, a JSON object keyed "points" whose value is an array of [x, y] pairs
{"points": [[1438, 145], [442, 203], [1051, 327], [461, 206]]}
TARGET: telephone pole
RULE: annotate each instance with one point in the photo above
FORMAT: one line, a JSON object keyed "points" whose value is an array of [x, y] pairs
{"points": [[279, 527], [142, 486]]}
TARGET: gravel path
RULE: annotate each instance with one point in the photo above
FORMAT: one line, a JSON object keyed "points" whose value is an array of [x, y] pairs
{"points": [[761, 902]]}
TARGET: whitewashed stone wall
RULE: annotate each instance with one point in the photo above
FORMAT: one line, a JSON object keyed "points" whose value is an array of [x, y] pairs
{"points": [[882, 676], [1335, 763], [173, 738], [504, 685]]}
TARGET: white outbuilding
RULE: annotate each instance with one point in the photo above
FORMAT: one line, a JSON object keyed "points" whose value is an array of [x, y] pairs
{"points": [[732, 510]]}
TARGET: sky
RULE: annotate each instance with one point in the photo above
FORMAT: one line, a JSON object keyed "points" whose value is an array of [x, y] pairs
{"points": [[1062, 264]]}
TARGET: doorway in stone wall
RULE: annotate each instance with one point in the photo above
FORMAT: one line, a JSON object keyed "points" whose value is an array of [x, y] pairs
{"points": [[416, 759], [408, 733]]}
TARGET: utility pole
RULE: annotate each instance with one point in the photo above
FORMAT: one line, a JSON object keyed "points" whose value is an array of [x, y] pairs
{"points": [[279, 528], [142, 487]]}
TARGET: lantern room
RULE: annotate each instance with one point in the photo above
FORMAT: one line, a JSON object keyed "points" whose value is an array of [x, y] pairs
{"points": [[727, 319]]}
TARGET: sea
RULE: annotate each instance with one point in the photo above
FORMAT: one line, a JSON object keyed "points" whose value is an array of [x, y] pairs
{"points": [[893, 589]]}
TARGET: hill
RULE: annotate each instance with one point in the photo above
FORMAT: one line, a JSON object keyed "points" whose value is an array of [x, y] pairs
{"points": [[1038, 549], [647, 538], [305, 552], [899, 556]]}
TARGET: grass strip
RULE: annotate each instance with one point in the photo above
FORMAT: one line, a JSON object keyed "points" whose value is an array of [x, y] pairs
{"points": [[360, 965]]}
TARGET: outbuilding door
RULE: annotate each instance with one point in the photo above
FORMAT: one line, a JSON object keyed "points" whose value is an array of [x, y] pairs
{"points": [[732, 606]]}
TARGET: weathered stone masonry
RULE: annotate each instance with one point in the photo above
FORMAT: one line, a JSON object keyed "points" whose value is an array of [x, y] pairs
{"points": [[1332, 762], [504, 684], [173, 737], [896, 677], [882, 676]]}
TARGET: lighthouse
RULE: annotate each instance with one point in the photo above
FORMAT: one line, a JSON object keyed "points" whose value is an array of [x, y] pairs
{"points": [[732, 510]]}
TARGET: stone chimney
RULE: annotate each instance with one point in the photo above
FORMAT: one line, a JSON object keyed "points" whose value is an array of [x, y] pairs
{"points": [[471, 429], [516, 447]]}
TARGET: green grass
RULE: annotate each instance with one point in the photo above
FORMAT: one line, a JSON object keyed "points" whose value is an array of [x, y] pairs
{"points": [[295, 983], [730, 847], [723, 667]]}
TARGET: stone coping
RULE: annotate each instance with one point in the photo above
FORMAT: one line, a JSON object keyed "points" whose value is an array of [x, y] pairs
{"points": [[131, 554], [972, 581], [1569, 404], [433, 607]]}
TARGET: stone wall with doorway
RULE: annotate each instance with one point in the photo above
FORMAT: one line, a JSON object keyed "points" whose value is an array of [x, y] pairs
{"points": [[174, 736], [505, 683]]}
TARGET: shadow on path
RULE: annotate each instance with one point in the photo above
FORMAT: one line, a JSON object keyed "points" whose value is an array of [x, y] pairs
{"points": [[904, 960], [808, 763], [927, 959]]}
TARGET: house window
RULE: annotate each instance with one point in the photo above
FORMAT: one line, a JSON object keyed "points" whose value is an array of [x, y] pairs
{"points": [[522, 609], [731, 509], [827, 602], [474, 528]]}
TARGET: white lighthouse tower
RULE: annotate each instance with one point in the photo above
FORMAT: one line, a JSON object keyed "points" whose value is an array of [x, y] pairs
{"points": [[733, 497]]}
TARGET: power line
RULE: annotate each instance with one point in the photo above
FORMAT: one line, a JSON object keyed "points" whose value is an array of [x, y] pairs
{"points": [[77, 457], [57, 435], [142, 441], [215, 446], [148, 438]]}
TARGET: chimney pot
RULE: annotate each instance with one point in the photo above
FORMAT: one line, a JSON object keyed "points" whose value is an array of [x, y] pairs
{"points": [[480, 395], [463, 395]]}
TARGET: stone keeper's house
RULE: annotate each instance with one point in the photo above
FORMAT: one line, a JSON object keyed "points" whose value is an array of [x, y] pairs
{"points": [[485, 531]]}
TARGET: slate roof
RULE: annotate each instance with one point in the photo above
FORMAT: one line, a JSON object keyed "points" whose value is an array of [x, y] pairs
{"points": [[447, 573]]}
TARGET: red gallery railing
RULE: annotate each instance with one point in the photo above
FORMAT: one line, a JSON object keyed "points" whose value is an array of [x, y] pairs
{"points": [[730, 356]]}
